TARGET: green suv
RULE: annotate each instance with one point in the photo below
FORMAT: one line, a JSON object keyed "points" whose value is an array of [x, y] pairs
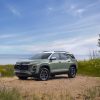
{"points": [[47, 64]]}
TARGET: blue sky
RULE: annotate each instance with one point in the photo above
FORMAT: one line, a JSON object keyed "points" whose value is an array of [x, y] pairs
{"points": [[28, 26]]}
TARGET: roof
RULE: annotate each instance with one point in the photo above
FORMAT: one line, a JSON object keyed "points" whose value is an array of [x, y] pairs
{"points": [[56, 51]]}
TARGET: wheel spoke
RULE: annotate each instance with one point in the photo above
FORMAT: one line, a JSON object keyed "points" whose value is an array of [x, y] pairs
{"points": [[44, 74]]}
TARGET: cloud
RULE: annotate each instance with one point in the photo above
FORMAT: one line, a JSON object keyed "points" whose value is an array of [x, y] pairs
{"points": [[6, 36], [75, 10], [77, 45], [14, 10], [50, 8]]}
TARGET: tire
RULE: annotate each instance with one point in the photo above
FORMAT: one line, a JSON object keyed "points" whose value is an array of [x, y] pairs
{"points": [[72, 72], [44, 74], [22, 77]]}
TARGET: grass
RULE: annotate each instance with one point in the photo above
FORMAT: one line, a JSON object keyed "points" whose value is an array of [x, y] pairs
{"points": [[92, 94], [9, 94], [90, 67], [14, 94], [7, 70]]}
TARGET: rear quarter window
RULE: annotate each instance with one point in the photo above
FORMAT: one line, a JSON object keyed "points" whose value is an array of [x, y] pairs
{"points": [[72, 56]]}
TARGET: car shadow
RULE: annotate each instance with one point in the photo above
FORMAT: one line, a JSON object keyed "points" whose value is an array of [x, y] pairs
{"points": [[57, 77], [51, 78]]}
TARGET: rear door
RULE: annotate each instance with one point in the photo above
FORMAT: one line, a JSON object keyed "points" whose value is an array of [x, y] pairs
{"points": [[65, 61]]}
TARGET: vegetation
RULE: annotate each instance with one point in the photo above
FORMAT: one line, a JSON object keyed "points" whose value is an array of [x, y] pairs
{"points": [[14, 94], [9, 94], [90, 67], [6, 70]]}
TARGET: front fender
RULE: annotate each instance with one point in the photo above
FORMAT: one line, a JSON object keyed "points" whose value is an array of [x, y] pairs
{"points": [[41, 65]]}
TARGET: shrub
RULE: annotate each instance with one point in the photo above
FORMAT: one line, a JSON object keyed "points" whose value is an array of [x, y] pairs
{"points": [[90, 67], [7, 70]]}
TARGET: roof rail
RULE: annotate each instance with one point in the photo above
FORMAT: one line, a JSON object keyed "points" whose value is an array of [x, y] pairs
{"points": [[46, 51], [59, 51]]}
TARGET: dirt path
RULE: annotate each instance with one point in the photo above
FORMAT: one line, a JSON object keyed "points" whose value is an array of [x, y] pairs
{"points": [[60, 83]]}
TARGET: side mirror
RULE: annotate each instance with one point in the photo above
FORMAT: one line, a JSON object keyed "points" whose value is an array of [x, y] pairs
{"points": [[53, 58]]}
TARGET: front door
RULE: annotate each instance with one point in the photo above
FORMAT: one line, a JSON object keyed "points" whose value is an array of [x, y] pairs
{"points": [[55, 65]]}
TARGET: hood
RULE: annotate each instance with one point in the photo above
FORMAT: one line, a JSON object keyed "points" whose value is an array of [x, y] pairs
{"points": [[35, 61]]}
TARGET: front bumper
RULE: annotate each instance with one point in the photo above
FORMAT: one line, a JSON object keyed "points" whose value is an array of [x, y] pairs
{"points": [[22, 73], [24, 70]]}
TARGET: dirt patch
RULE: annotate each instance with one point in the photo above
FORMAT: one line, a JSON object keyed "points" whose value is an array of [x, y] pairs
{"points": [[59, 84]]}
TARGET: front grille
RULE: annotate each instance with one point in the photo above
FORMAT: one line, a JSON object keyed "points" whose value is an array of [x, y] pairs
{"points": [[21, 67]]}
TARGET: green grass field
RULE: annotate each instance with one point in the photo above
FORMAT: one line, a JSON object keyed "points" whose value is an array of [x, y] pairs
{"points": [[7, 70], [90, 68]]}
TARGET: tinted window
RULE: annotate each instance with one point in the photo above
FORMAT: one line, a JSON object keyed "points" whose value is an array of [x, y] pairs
{"points": [[64, 56], [72, 56], [56, 55], [41, 56]]}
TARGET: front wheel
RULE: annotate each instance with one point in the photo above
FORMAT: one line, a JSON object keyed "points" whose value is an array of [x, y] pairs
{"points": [[72, 72], [44, 74]]}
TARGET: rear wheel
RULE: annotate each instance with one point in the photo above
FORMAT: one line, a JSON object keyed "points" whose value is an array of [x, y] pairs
{"points": [[22, 77], [72, 72], [44, 74]]}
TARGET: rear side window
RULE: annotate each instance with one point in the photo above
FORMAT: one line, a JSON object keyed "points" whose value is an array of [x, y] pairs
{"points": [[64, 56], [72, 56]]}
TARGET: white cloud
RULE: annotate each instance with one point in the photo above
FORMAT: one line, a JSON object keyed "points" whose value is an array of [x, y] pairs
{"points": [[77, 45], [50, 8], [80, 11], [14, 10], [5, 36], [75, 10]]}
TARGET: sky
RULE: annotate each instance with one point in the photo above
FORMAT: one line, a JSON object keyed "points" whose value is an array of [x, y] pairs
{"points": [[28, 26]]}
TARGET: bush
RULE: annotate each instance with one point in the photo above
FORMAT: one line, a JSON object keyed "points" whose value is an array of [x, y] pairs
{"points": [[7, 70], [90, 67]]}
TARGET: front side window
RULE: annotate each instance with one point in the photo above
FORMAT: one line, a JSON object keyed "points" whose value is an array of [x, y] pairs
{"points": [[56, 55], [41, 56]]}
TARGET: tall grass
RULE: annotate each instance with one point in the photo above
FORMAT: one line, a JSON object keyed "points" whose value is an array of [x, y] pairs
{"points": [[9, 94], [14, 94], [92, 94], [90, 67], [7, 70]]}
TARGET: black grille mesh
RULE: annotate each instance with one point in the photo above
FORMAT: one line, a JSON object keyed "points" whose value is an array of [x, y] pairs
{"points": [[21, 67]]}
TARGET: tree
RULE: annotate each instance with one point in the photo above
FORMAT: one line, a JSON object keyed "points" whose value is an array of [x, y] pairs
{"points": [[99, 41]]}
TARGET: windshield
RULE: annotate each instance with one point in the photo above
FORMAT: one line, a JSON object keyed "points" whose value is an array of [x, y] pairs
{"points": [[41, 56]]}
